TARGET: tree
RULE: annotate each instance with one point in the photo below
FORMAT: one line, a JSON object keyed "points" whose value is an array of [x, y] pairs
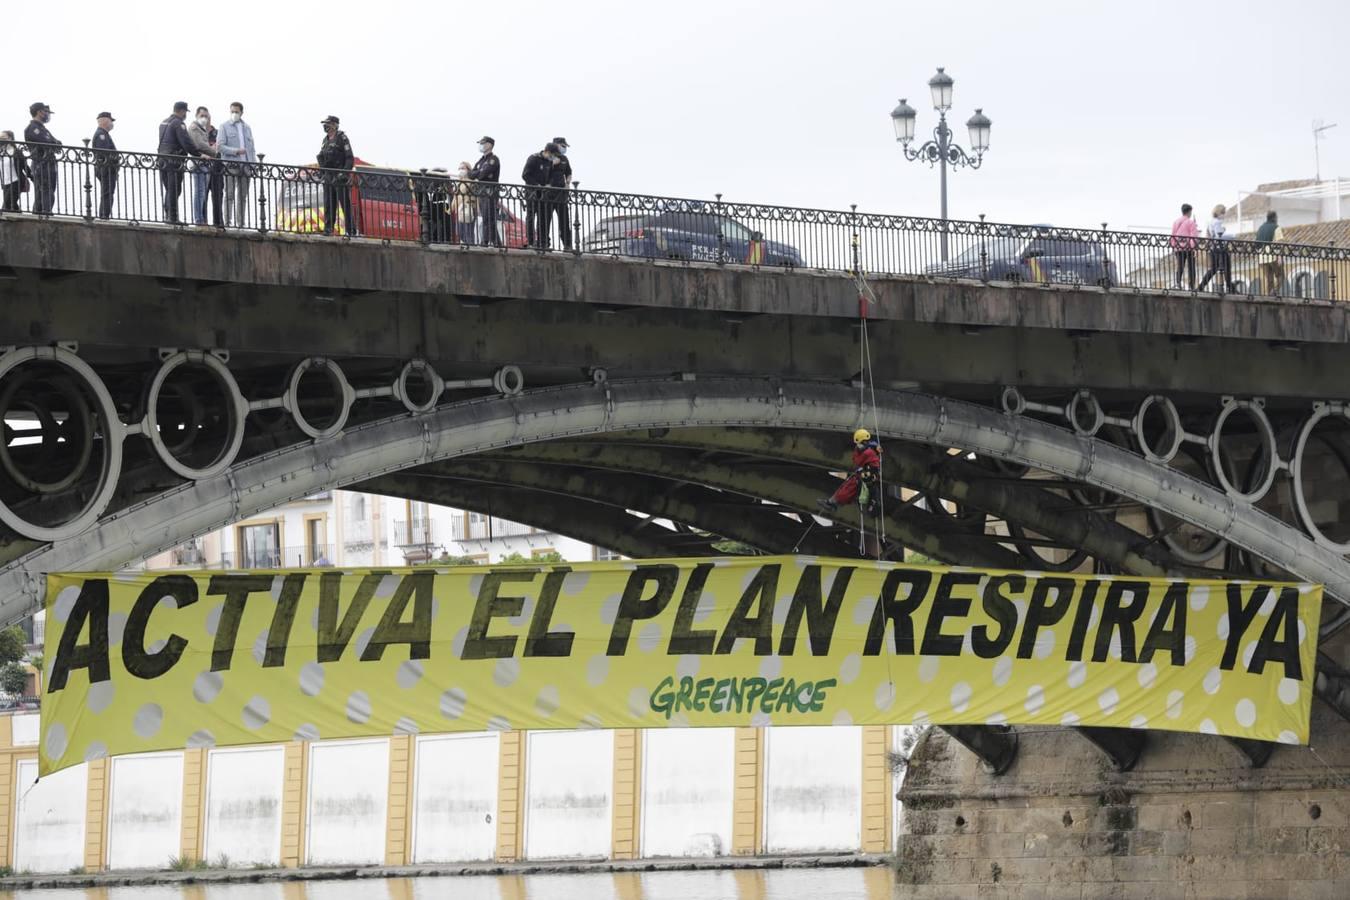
{"points": [[12, 644], [446, 559], [516, 559], [13, 679]]}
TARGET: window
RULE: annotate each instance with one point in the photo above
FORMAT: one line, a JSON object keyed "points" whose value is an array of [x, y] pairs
{"points": [[357, 505], [1301, 285], [316, 539], [539, 552], [1321, 286], [259, 546], [600, 554]]}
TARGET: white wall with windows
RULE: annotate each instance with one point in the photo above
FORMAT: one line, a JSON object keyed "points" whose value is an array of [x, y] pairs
{"points": [[145, 810], [243, 805], [348, 800]]}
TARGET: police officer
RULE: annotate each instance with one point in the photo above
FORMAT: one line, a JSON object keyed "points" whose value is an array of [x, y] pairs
{"points": [[538, 167], [106, 163], [559, 178], [336, 153], [174, 148], [488, 170], [41, 146]]}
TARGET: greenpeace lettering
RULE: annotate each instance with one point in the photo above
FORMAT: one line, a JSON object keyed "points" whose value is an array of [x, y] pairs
{"points": [[190, 659]]}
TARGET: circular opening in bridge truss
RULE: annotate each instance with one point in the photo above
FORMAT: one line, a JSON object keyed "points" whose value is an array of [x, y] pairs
{"points": [[1321, 466], [195, 415], [1187, 542], [508, 380], [319, 397], [1085, 413], [1014, 404], [1243, 463], [1157, 428], [418, 387], [59, 422]]}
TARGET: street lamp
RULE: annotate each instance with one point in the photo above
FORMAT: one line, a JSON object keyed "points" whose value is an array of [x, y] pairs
{"points": [[941, 151]]}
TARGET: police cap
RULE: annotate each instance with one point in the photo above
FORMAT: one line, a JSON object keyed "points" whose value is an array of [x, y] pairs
{"points": [[561, 142], [105, 115], [35, 108], [331, 120], [180, 106], [487, 140]]}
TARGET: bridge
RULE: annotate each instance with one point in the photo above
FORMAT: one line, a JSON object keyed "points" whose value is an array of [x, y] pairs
{"points": [[163, 381]]}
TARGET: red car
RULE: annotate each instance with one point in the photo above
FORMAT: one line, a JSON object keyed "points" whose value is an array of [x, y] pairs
{"points": [[384, 207]]}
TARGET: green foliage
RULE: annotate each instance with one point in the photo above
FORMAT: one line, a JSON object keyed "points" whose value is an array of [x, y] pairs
{"points": [[6, 871], [516, 559], [920, 559], [185, 864], [12, 643], [13, 679], [445, 559], [77, 870], [735, 548]]}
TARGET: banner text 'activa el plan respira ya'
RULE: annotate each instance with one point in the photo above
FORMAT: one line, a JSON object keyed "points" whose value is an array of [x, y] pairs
{"points": [[149, 662]]}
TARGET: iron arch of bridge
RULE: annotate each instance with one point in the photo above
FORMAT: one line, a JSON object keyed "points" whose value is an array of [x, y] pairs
{"points": [[572, 411]]}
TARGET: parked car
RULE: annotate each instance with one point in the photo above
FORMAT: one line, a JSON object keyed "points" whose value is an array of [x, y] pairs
{"points": [[704, 237], [1048, 258], [608, 234], [384, 205]]}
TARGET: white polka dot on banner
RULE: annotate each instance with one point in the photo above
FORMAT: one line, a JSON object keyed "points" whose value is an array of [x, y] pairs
{"points": [[597, 670], [1002, 671], [1247, 653], [406, 725], [842, 718], [95, 750], [687, 666], [780, 610], [277, 582], [650, 637], [850, 669], [921, 719], [771, 667], [213, 618], [862, 610], [206, 686], [314, 619], [1114, 647], [761, 720], [388, 584], [1191, 646], [100, 696], [475, 585], [1094, 616], [148, 720], [960, 696], [1175, 699], [1199, 597], [884, 696], [1070, 719], [1288, 691], [311, 679], [65, 602], [548, 701], [200, 739], [575, 583], [409, 673], [997, 718], [1245, 713], [589, 721], [609, 610], [260, 647], [1035, 699], [526, 612], [363, 641], [1302, 633], [1139, 722], [55, 741], [117, 624], [358, 708], [499, 723], [1268, 604], [453, 702], [1108, 699], [506, 671], [457, 645], [928, 668], [1148, 673], [1223, 627], [1213, 681], [1208, 727], [706, 607], [1045, 643], [1287, 737], [257, 713], [679, 720], [637, 702], [307, 732], [1077, 674]]}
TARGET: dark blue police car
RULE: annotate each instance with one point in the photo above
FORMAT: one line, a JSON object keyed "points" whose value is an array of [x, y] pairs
{"points": [[703, 237], [1047, 257]]}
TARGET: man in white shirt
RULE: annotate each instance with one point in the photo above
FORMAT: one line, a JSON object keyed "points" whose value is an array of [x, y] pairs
{"points": [[238, 155]]}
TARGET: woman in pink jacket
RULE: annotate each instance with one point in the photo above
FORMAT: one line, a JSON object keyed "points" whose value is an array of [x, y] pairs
{"points": [[1184, 233]]}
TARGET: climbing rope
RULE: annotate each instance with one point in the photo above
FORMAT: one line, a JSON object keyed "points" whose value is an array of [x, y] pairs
{"points": [[867, 391]]}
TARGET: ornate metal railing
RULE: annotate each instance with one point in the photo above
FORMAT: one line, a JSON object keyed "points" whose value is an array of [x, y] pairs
{"points": [[145, 189]]}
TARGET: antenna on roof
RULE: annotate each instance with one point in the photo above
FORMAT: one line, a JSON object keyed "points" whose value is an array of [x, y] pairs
{"points": [[1317, 129]]}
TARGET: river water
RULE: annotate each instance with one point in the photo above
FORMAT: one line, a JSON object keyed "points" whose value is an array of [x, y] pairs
{"points": [[875, 883]]}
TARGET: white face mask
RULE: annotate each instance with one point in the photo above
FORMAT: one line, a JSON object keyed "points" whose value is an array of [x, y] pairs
{"points": [[235, 117], [562, 150], [463, 173], [202, 121], [484, 148]]}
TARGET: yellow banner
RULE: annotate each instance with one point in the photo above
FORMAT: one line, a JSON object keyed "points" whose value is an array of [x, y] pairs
{"points": [[158, 661]]}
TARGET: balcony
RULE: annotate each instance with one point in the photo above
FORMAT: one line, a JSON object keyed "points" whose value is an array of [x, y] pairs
{"points": [[276, 558]]}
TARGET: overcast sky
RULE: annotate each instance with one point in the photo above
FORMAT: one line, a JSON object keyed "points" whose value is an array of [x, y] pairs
{"points": [[1102, 111]]}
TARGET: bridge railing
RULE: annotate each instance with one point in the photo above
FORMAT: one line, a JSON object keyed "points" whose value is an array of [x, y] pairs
{"points": [[393, 205]]}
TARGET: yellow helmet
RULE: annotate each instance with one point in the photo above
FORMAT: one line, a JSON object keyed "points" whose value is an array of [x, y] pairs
{"points": [[862, 435]]}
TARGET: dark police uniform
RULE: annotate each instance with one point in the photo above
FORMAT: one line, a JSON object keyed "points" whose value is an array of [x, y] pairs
{"points": [[536, 175], [336, 153], [560, 176], [106, 165], [43, 166], [174, 148], [488, 169]]}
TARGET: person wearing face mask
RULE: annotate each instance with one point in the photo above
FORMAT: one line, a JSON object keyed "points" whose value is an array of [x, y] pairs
{"points": [[41, 148], [336, 154], [488, 170], [538, 166], [465, 206], [106, 163], [560, 176], [14, 173], [174, 148], [206, 177], [238, 157]]}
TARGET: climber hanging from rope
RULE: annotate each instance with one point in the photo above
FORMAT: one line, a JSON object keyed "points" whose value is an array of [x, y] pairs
{"points": [[862, 483]]}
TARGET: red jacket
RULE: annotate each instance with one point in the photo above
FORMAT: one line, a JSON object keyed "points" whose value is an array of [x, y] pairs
{"points": [[866, 458]]}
